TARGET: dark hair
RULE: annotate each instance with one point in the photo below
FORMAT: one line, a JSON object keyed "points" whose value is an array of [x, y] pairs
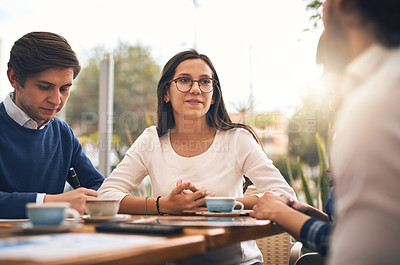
{"points": [[384, 15], [38, 51], [216, 117]]}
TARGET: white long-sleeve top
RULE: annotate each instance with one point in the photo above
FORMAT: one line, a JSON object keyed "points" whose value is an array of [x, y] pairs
{"points": [[233, 153]]}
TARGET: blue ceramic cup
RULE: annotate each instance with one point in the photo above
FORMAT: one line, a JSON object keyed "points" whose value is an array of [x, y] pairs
{"points": [[222, 204], [49, 214]]}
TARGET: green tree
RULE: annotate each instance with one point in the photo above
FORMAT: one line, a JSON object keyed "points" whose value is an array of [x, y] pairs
{"points": [[135, 79]]}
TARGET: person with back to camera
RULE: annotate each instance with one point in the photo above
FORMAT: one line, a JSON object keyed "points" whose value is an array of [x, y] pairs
{"points": [[195, 144], [366, 150], [363, 42], [37, 149]]}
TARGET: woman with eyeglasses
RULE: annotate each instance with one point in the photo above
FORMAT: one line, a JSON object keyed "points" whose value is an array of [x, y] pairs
{"points": [[194, 151]]}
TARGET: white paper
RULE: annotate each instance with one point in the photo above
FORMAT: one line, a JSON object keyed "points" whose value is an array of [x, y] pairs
{"points": [[69, 245]]}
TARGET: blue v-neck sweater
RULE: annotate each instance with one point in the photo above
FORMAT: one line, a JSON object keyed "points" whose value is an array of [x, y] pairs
{"points": [[37, 161]]}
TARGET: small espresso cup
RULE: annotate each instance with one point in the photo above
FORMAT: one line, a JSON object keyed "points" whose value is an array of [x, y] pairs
{"points": [[50, 213], [222, 204], [102, 207]]}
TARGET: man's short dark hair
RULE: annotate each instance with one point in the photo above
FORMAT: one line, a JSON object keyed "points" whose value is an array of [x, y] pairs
{"points": [[385, 16], [38, 51]]}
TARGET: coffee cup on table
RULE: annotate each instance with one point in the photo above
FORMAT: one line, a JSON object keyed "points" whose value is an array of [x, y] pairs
{"points": [[50, 213], [102, 207], [222, 204]]}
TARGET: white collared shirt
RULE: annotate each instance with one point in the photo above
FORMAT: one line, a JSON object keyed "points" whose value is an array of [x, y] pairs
{"points": [[365, 162], [19, 116]]}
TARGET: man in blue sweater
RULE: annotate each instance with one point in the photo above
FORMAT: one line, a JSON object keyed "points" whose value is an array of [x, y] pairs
{"points": [[37, 149]]}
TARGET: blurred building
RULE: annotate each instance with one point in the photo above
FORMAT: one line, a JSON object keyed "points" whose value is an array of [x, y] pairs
{"points": [[270, 127]]}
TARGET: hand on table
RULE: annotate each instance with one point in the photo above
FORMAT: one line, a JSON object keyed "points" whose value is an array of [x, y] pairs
{"points": [[279, 210], [190, 189], [77, 198], [185, 196], [269, 205]]}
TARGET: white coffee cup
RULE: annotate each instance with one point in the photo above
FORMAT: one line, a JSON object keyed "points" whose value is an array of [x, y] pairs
{"points": [[102, 207], [50, 213]]}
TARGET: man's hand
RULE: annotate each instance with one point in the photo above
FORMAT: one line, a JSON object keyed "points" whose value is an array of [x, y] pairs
{"points": [[268, 206], [77, 198]]}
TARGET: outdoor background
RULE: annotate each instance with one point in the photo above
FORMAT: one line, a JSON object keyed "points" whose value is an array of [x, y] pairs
{"points": [[258, 42], [263, 51]]}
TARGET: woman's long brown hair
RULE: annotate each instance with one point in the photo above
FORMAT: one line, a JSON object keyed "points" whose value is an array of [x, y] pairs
{"points": [[216, 117]]}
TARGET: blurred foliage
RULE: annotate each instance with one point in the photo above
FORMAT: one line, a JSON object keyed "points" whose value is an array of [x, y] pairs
{"points": [[304, 183], [265, 120], [94, 139], [314, 116], [315, 9], [323, 178], [322, 181], [288, 168], [135, 79], [290, 173]]}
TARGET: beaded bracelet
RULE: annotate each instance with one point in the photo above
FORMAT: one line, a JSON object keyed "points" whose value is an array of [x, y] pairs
{"points": [[158, 206], [145, 205]]}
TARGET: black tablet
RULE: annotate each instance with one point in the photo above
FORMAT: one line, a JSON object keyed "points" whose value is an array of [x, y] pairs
{"points": [[138, 228]]}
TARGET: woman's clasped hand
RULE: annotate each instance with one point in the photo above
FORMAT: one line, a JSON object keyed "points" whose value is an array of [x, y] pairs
{"points": [[185, 197]]}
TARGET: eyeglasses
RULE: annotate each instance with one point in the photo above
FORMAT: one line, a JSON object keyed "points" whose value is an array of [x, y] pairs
{"points": [[184, 84]]}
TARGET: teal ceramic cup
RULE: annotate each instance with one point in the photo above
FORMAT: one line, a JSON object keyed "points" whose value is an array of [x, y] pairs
{"points": [[222, 204], [49, 214]]}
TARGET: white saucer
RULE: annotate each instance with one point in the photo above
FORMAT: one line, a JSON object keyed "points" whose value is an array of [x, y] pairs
{"points": [[94, 219], [31, 229], [233, 213]]}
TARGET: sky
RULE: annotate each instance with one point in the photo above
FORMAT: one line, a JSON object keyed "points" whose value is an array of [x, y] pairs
{"points": [[258, 47]]}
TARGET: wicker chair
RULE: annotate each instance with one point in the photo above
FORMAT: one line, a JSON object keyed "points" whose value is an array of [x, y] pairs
{"points": [[279, 249]]}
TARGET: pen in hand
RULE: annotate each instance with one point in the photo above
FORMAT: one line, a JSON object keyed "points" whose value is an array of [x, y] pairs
{"points": [[73, 178]]}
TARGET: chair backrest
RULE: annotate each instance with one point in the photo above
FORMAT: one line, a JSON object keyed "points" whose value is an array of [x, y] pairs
{"points": [[312, 258], [275, 249]]}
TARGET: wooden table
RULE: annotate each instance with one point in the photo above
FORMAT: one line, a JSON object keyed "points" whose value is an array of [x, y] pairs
{"points": [[193, 242]]}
